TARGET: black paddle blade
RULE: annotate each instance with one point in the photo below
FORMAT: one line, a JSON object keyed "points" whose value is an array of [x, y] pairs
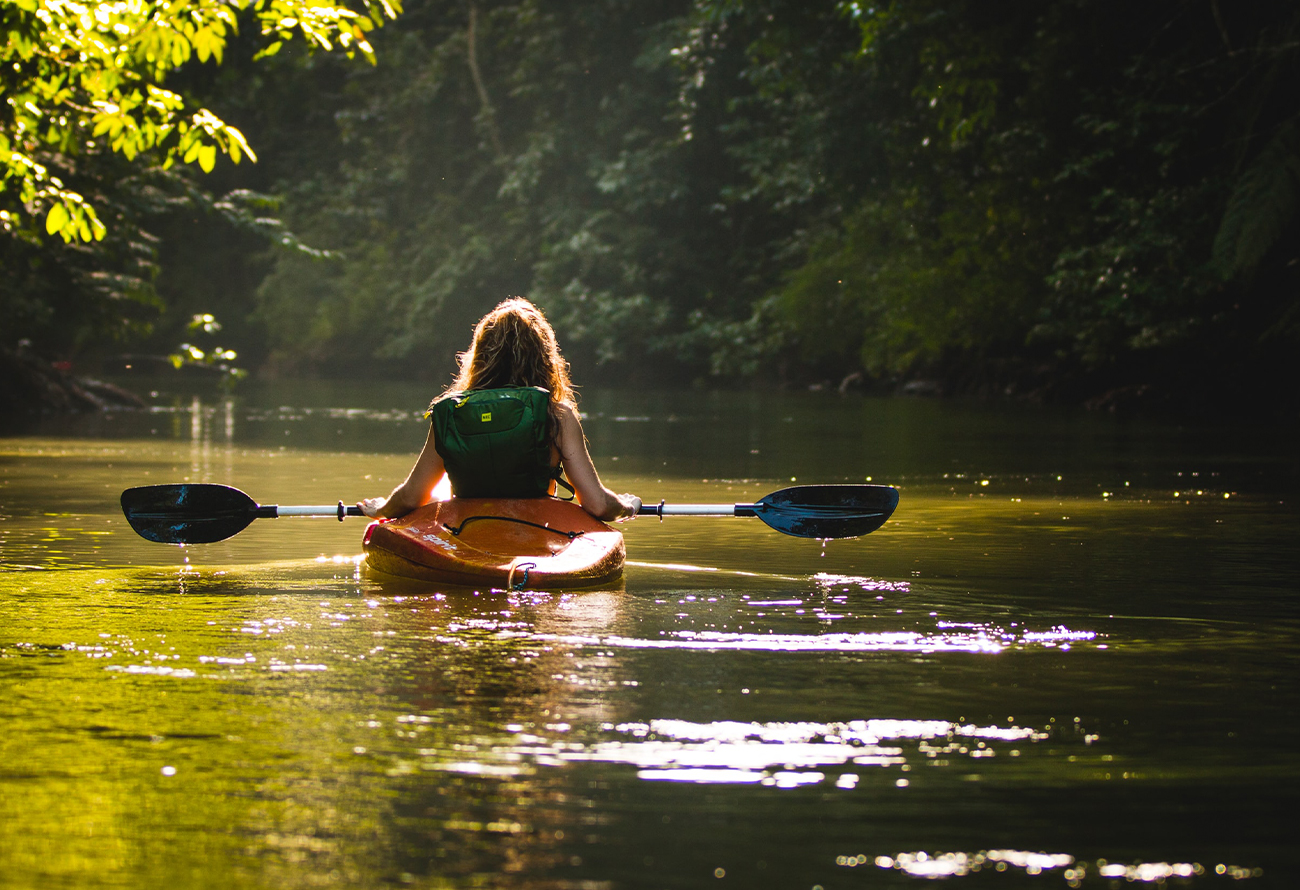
{"points": [[828, 511], [185, 513]]}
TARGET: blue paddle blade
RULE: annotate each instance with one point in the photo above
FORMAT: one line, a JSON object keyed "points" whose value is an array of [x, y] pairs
{"points": [[187, 513], [827, 511]]}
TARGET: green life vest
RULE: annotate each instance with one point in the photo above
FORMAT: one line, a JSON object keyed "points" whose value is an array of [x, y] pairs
{"points": [[494, 442]]}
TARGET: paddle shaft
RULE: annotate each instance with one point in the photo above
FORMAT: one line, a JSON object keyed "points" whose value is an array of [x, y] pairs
{"points": [[337, 511], [271, 511], [662, 509]]}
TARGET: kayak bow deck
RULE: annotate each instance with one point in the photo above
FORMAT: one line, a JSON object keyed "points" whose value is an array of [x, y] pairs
{"points": [[534, 543]]}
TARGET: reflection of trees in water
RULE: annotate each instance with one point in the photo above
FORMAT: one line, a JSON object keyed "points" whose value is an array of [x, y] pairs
{"points": [[437, 791], [488, 684]]}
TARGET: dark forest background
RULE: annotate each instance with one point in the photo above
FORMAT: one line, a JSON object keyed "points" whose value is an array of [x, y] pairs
{"points": [[1064, 200]]}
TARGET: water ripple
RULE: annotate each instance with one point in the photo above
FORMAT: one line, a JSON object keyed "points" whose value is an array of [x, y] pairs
{"points": [[960, 638], [773, 754]]}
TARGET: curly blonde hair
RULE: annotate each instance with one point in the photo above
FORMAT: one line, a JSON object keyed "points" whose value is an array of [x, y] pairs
{"points": [[514, 345]]}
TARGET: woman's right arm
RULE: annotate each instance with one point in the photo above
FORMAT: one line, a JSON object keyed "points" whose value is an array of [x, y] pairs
{"points": [[592, 494], [416, 491]]}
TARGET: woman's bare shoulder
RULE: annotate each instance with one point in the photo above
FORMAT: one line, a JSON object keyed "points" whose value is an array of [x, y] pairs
{"points": [[568, 412], [570, 429]]}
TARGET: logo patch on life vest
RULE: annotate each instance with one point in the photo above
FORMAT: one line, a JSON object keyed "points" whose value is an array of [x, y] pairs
{"points": [[485, 417]]}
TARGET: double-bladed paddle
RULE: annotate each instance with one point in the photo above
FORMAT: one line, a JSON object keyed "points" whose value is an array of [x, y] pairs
{"points": [[202, 513]]}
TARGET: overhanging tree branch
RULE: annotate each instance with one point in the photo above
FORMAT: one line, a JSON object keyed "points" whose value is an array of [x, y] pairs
{"points": [[489, 114]]}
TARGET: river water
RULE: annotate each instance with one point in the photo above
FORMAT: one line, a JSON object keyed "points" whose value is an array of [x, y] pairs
{"points": [[1070, 659]]}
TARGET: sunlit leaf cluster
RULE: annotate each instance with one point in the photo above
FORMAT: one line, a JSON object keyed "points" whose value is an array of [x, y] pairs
{"points": [[81, 78], [217, 359]]}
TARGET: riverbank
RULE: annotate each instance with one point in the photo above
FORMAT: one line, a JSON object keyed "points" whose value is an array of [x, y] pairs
{"points": [[31, 385], [1260, 395], [1253, 390]]}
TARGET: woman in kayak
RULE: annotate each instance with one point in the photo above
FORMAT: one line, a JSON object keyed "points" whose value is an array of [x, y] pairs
{"points": [[508, 425]]}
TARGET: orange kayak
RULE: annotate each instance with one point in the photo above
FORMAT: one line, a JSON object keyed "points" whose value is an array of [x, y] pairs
{"points": [[532, 543]]}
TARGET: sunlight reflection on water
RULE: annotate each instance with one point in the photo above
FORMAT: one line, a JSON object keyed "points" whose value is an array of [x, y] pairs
{"points": [[777, 754], [949, 636], [987, 640], [955, 865]]}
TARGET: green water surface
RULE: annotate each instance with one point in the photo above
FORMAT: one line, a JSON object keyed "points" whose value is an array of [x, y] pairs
{"points": [[1069, 660]]}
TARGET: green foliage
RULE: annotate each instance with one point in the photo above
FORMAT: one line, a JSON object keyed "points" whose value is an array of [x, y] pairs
{"points": [[456, 184], [745, 185], [1264, 203], [904, 285], [1052, 186], [603, 188], [215, 358], [78, 76], [62, 296], [94, 148], [732, 188]]}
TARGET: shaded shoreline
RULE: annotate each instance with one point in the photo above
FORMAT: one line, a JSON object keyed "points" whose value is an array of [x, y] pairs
{"points": [[31, 385]]}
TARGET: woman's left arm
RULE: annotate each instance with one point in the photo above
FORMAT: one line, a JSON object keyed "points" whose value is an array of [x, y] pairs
{"points": [[416, 491], [592, 494]]}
